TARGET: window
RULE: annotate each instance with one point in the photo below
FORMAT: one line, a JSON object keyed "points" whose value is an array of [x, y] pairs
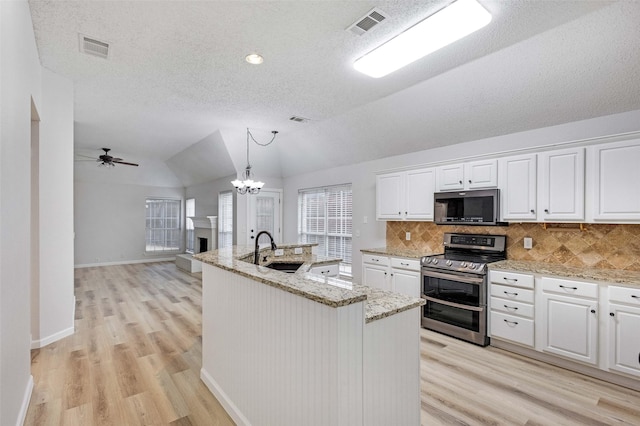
{"points": [[225, 219], [162, 225], [325, 217], [190, 211]]}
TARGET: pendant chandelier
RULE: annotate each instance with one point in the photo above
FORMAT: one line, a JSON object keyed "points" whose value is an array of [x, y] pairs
{"points": [[248, 185]]}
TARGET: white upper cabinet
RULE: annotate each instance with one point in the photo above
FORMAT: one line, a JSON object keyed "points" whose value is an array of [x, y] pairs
{"points": [[405, 195], [615, 173], [390, 196], [481, 174], [561, 185], [472, 175], [517, 183], [450, 177]]}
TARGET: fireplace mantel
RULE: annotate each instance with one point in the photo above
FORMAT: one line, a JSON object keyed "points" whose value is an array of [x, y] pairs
{"points": [[207, 222]]}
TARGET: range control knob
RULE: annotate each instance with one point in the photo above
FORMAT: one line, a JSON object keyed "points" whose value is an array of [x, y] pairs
{"points": [[427, 260], [463, 264], [449, 263], [435, 261], [473, 266]]}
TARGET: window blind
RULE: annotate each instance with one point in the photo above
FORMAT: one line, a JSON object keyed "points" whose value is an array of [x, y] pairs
{"points": [[225, 219], [163, 232], [190, 211], [325, 218]]}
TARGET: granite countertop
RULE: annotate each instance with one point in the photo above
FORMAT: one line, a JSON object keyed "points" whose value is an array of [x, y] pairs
{"points": [[618, 276], [396, 252], [330, 291]]}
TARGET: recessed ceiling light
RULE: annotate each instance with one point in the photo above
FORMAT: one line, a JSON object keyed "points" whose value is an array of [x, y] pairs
{"points": [[447, 25], [254, 59]]}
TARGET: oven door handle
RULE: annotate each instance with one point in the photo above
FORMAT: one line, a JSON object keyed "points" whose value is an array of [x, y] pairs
{"points": [[453, 277], [454, 305]]}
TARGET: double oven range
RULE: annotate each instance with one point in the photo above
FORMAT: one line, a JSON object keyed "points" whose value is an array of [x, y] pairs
{"points": [[454, 284]]}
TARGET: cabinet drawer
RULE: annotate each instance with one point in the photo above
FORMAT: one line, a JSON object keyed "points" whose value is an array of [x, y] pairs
{"points": [[512, 293], [511, 278], [375, 259], [572, 288], [326, 270], [509, 327], [512, 307], [630, 296], [410, 264]]}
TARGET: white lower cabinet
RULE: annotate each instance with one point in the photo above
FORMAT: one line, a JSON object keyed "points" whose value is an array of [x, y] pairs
{"points": [[512, 307], [570, 319], [399, 275], [624, 330]]}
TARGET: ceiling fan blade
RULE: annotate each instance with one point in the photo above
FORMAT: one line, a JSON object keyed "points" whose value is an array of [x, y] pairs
{"points": [[125, 163], [85, 156], [116, 159]]}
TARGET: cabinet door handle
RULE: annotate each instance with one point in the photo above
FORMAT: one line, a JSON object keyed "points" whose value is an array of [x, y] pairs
{"points": [[511, 322], [511, 307], [611, 314], [513, 280], [375, 260], [635, 297], [510, 294], [568, 288]]}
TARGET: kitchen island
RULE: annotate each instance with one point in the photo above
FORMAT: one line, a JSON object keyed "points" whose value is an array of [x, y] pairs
{"points": [[304, 349]]}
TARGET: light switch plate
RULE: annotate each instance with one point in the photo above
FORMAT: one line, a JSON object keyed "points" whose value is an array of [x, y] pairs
{"points": [[297, 250], [279, 252], [528, 243], [408, 236]]}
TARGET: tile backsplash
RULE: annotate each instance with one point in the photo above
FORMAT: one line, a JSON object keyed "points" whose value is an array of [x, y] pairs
{"points": [[602, 246]]}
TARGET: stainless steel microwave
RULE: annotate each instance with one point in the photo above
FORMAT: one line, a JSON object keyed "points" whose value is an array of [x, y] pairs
{"points": [[478, 207]]}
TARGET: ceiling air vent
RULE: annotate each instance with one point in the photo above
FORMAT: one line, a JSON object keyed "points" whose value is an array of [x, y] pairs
{"points": [[367, 22], [94, 47], [299, 119]]}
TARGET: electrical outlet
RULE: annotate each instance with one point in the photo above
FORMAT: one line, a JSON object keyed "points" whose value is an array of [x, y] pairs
{"points": [[357, 233], [297, 250], [528, 243], [408, 236], [279, 252], [365, 219]]}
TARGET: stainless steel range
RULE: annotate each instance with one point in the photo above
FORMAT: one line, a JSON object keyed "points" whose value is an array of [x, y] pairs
{"points": [[454, 284]]}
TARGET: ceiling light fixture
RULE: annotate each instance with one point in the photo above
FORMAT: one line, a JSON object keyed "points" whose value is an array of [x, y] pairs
{"points": [[247, 185], [447, 25], [254, 59]]}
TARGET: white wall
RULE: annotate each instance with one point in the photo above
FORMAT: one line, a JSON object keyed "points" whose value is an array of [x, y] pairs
{"points": [[19, 81], [55, 316], [110, 221], [362, 175]]}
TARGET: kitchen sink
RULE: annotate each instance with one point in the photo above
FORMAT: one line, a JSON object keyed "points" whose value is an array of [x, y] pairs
{"points": [[289, 267]]}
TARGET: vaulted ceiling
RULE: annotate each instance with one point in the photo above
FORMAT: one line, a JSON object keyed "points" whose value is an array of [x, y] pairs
{"points": [[176, 89]]}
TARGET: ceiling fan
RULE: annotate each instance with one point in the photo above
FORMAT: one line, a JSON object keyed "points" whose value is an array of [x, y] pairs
{"points": [[107, 160]]}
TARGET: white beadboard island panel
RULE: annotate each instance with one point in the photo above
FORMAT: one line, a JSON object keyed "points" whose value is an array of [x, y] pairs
{"points": [[275, 358]]}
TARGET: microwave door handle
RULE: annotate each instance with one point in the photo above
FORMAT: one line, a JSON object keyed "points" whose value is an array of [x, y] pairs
{"points": [[454, 305], [453, 277]]}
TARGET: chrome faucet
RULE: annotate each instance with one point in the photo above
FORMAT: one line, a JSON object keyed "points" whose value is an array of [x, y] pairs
{"points": [[256, 257]]}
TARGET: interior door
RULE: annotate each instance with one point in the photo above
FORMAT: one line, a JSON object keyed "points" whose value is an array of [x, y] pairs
{"points": [[264, 214]]}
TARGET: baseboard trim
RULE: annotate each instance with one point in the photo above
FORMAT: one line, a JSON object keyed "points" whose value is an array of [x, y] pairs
{"points": [[223, 399], [617, 379], [37, 344], [126, 262], [22, 415]]}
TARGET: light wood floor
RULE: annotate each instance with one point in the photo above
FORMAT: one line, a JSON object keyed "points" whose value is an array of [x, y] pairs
{"points": [[136, 356]]}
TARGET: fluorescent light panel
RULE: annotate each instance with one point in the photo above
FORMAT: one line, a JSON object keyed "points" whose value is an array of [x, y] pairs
{"points": [[452, 23]]}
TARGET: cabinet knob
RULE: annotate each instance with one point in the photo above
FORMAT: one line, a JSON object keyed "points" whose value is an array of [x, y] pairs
{"points": [[593, 311], [406, 213], [611, 314], [469, 180], [460, 182], [533, 211], [546, 210], [399, 213]]}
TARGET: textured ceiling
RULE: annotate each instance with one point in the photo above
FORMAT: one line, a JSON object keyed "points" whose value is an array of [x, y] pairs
{"points": [[177, 77]]}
